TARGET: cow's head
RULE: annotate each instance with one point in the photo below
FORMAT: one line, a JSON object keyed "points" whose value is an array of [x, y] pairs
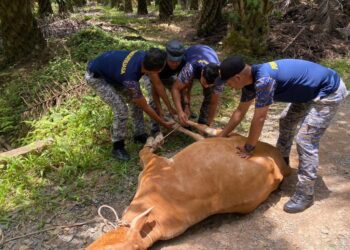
{"points": [[126, 237]]}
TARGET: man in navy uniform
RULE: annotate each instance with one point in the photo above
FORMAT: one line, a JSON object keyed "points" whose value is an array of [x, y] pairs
{"points": [[202, 63], [115, 77], [313, 92]]}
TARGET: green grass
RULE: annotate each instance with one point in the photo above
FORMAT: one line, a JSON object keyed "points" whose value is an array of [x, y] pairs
{"points": [[25, 86], [80, 129], [114, 16], [342, 66], [88, 43]]}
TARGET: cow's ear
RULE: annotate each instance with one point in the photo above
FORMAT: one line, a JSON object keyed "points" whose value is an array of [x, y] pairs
{"points": [[138, 222]]}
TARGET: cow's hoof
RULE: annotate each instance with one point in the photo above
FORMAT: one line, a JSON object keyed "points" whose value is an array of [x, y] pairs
{"points": [[121, 154], [298, 203]]}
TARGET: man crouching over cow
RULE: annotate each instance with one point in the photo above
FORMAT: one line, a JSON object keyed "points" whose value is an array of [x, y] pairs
{"points": [[115, 75], [314, 93]]}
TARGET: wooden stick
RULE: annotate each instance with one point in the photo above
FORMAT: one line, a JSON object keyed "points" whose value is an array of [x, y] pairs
{"points": [[302, 29]]}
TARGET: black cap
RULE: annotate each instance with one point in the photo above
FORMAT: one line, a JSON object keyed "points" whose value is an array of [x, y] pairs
{"points": [[231, 66], [175, 50]]}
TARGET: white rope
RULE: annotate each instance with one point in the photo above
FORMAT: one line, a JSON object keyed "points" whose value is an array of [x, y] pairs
{"points": [[175, 128], [118, 222]]}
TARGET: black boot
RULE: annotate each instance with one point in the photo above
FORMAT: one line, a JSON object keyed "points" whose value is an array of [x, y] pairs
{"points": [[298, 203], [286, 159], [142, 138], [119, 151]]}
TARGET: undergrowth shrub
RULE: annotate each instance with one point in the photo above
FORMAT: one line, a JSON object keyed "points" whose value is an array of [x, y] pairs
{"points": [[90, 42], [27, 87], [78, 129]]}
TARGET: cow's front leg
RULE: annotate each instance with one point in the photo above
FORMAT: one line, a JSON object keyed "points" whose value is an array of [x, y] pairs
{"points": [[146, 154]]}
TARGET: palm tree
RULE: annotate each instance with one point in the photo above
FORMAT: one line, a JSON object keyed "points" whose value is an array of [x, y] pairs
{"points": [[45, 8], [194, 4], [142, 7], [127, 6], [165, 9], [64, 6], [19, 30], [210, 17]]}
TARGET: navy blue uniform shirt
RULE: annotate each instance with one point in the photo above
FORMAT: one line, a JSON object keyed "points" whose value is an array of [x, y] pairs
{"points": [[289, 80], [120, 68], [167, 72], [196, 57]]}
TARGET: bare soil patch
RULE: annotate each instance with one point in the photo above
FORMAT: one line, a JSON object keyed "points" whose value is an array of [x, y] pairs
{"points": [[312, 43]]}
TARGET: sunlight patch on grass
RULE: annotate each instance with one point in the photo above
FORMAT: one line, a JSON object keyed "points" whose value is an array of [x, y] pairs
{"points": [[171, 27]]}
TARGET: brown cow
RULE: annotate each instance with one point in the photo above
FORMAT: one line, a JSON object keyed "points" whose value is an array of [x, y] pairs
{"points": [[205, 178]]}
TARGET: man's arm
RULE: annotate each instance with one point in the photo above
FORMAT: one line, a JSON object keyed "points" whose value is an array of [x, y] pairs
{"points": [[134, 90], [176, 89], [212, 107], [236, 117], [159, 87], [142, 103], [186, 95], [265, 88], [256, 125], [156, 100]]}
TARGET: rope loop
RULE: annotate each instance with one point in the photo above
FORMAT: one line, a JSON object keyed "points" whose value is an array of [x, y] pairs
{"points": [[118, 222]]}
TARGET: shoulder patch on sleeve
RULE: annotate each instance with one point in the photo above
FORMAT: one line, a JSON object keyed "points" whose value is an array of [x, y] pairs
{"points": [[273, 65], [126, 62], [203, 61]]}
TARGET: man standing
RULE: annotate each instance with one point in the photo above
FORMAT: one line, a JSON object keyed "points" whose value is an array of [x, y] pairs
{"points": [[314, 93], [114, 75], [202, 63]]}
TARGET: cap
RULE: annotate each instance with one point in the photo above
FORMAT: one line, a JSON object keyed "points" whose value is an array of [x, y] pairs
{"points": [[175, 50], [231, 66]]}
